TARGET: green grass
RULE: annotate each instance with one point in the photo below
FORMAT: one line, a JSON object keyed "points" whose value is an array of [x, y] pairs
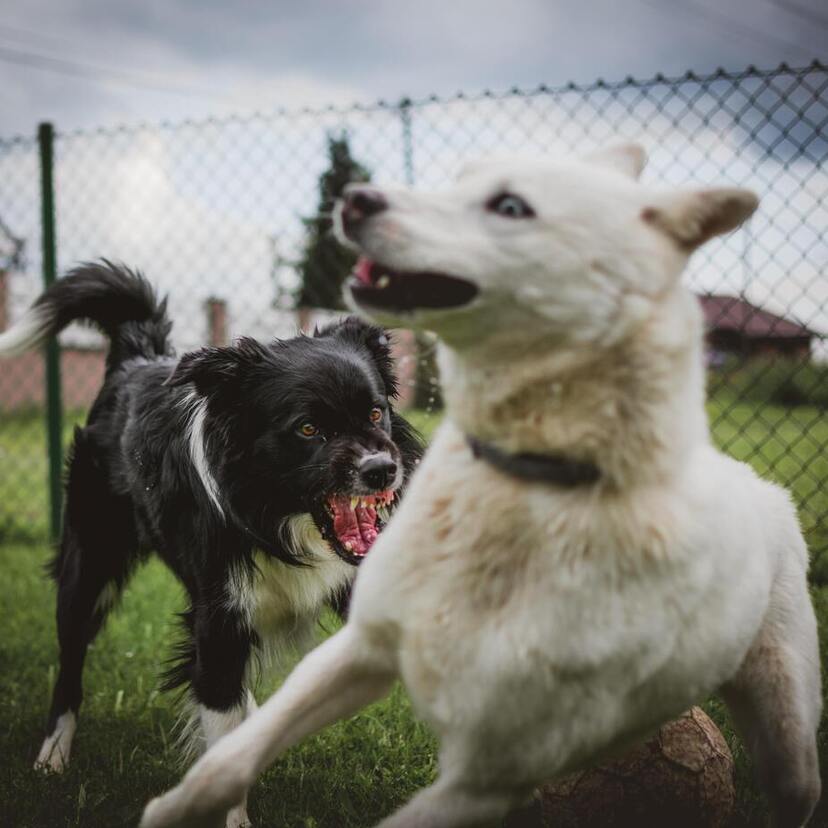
{"points": [[24, 512], [788, 445], [351, 774]]}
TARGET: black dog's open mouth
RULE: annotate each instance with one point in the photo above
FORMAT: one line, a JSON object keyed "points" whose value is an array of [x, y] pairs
{"points": [[376, 286], [351, 524]]}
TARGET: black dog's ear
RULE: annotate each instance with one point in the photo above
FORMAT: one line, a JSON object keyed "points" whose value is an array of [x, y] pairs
{"points": [[376, 340], [211, 368]]}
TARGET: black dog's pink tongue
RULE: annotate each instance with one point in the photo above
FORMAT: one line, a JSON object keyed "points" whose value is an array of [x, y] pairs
{"points": [[355, 528]]}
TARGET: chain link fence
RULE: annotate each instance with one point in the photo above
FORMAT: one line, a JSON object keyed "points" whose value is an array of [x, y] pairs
{"points": [[218, 213]]}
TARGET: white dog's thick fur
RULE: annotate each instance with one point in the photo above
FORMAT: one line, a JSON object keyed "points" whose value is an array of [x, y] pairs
{"points": [[538, 627]]}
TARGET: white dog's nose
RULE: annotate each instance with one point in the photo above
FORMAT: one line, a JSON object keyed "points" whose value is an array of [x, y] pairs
{"points": [[358, 203]]}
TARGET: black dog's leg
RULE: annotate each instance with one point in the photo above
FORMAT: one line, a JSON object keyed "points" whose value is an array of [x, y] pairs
{"points": [[96, 551], [223, 646]]}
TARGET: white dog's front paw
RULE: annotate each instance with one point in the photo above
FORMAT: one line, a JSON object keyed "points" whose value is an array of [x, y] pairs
{"points": [[169, 811], [202, 800], [238, 818]]}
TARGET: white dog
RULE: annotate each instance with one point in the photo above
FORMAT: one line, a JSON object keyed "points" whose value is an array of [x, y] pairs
{"points": [[574, 563]]}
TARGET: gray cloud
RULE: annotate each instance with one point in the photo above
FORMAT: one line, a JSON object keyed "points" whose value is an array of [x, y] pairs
{"points": [[248, 55]]}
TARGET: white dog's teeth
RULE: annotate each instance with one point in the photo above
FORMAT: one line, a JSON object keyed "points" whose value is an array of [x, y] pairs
{"points": [[354, 501], [383, 281], [349, 546]]}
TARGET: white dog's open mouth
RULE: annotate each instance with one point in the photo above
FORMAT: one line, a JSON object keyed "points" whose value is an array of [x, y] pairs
{"points": [[374, 285]]}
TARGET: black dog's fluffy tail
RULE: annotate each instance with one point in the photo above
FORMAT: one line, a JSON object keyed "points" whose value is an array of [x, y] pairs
{"points": [[116, 299]]}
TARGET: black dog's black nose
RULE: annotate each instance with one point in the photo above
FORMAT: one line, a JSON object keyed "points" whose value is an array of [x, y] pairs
{"points": [[377, 472], [361, 202]]}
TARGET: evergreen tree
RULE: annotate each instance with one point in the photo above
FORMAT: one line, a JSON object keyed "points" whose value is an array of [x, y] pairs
{"points": [[325, 264]]}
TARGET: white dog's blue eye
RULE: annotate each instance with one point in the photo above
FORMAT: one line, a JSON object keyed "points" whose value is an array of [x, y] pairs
{"points": [[509, 206]]}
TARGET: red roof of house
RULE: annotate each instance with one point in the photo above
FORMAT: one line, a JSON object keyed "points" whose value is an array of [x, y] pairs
{"points": [[730, 313]]}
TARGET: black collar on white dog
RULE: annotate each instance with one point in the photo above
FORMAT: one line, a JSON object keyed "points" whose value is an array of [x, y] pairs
{"points": [[537, 468]]}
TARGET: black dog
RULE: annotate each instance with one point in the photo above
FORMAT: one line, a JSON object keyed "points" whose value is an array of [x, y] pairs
{"points": [[261, 474]]}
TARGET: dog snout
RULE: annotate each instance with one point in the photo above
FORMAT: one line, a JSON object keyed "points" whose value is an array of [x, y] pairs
{"points": [[358, 204], [378, 471]]}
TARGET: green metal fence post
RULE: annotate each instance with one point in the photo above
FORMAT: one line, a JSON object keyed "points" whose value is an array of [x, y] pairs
{"points": [[408, 140], [54, 414], [426, 387]]}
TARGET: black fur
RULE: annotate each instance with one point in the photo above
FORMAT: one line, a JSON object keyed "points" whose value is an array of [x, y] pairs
{"points": [[133, 487]]}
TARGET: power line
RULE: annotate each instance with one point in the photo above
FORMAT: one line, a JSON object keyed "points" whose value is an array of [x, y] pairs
{"points": [[97, 74]]}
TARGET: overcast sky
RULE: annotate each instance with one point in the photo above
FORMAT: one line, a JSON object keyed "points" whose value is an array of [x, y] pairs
{"points": [[83, 63]]}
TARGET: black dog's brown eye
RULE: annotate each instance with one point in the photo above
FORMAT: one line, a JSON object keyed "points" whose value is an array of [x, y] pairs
{"points": [[308, 430], [509, 205], [376, 415]]}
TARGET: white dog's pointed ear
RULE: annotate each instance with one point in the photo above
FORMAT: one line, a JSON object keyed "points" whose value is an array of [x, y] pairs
{"points": [[691, 218], [628, 159]]}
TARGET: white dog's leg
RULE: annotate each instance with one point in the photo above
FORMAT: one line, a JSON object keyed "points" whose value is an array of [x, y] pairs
{"points": [[335, 680], [445, 805], [776, 700]]}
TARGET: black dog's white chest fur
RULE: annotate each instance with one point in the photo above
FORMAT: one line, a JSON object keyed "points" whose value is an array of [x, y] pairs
{"points": [[281, 602]]}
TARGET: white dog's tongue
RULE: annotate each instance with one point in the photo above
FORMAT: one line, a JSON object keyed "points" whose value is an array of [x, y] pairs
{"points": [[362, 270]]}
